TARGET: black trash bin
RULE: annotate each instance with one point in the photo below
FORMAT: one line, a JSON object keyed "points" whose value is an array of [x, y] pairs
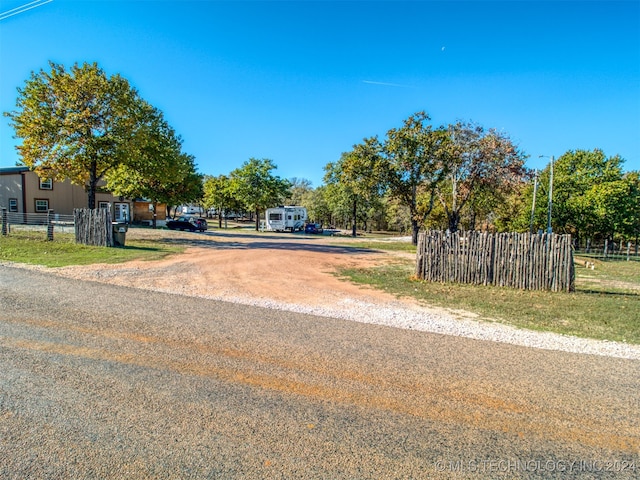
{"points": [[119, 233]]}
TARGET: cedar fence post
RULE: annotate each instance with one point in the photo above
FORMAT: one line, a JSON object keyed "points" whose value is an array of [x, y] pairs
{"points": [[50, 225], [5, 230]]}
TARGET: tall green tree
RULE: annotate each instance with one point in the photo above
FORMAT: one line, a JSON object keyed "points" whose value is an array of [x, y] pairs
{"points": [[338, 198], [317, 203], [413, 166], [341, 199], [218, 194], [513, 214], [615, 206], [188, 189], [363, 170], [300, 188], [478, 165], [357, 178], [257, 187], [580, 177], [76, 123], [593, 199], [397, 217], [633, 218], [157, 169]]}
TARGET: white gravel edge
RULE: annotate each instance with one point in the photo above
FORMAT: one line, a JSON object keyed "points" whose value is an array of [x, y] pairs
{"points": [[422, 319], [395, 315]]}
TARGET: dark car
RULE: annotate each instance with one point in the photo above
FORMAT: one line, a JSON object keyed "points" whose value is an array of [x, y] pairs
{"points": [[313, 228], [187, 223]]}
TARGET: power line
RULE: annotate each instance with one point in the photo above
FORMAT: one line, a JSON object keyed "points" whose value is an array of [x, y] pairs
{"points": [[23, 8]]}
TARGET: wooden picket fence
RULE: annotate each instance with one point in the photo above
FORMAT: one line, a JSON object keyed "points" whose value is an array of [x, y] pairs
{"points": [[518, 260], [93, 226]]}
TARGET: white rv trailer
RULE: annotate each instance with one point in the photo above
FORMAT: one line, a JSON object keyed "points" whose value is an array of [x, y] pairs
{"points": [[287, 218], [189, 210]]}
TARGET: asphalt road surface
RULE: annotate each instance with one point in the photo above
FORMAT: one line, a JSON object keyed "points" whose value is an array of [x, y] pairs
{"points": [[98, 381]]}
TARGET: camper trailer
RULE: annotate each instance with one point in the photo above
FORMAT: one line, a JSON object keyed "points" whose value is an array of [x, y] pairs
{"points": [[287, 218], [189, 210]]}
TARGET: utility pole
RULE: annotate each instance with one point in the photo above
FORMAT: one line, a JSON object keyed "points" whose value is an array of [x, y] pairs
{"points": [[549, 230]]}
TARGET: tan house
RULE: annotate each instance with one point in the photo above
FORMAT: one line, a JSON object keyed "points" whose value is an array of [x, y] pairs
{"points": [[22, 191], [143, 212]]}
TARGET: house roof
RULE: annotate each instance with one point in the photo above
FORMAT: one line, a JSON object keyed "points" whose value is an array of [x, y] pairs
{"points": [[12, 170]]}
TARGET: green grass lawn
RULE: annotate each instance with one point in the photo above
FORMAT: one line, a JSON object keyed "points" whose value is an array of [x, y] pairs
{"points": [[25, 247], [392, 246], [608, 273], [605, 306]]}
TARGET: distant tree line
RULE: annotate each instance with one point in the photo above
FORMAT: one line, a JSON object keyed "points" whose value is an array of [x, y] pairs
{"points": [[251, 188], [462, 176], [593, 199], [96, 130]]}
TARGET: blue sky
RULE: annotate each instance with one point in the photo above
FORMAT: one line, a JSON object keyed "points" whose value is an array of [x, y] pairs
{"points": [[301, 82]]}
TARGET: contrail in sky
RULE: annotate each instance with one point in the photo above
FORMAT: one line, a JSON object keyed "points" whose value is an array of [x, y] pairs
{"points": [[385, 84], [23, 8]]}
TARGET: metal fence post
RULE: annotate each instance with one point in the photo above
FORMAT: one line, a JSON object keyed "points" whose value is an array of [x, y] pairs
{"points": [[50, 225], [5, 230]]}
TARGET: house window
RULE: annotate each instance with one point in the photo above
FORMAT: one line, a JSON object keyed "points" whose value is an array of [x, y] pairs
{"points": [[46, 184], [13, 204], [121, 212], [104, 205], [42, 205]]}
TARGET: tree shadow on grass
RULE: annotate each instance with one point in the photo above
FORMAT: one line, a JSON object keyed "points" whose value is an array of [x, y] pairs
{"points": [[589, 291]]}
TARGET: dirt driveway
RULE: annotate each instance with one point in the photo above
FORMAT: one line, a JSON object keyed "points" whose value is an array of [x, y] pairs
{"points": [[251, 267]]}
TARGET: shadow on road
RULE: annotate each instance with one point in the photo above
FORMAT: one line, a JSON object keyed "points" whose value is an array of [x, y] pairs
{"points": [[217, 240]]}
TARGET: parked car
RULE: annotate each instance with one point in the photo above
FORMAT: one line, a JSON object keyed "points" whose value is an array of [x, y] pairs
{"points": [[187, 223], [313, 228]]}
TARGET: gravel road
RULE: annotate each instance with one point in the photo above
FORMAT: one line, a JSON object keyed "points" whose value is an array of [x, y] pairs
{"points": [[102, 381], [297, 273]]}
